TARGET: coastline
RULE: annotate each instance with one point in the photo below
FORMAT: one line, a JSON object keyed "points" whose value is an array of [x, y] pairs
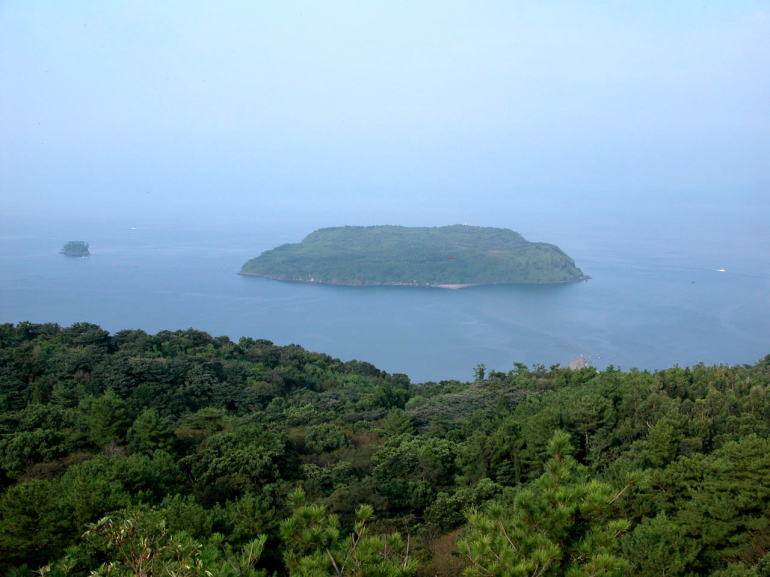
{"points": [[452, 286], [447, 286]]}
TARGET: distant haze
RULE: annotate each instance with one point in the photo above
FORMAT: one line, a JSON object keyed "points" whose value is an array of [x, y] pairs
{"points": [[400, 112]]}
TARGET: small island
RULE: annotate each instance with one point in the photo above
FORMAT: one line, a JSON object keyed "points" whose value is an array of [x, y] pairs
{"points": [[455, 256], [75, 248]]}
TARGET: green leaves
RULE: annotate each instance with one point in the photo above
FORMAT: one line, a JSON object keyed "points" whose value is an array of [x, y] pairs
{"points": [[325, 437], [229, 464], [107, 418], [720, 502], [659, 546], [558, 526], [208, 436], [316, 547], [138, 543], [408, 471], [150, 432]]}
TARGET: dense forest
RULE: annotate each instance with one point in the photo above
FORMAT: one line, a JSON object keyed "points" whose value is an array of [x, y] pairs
{"points": [[418, 256], [183, 454]]}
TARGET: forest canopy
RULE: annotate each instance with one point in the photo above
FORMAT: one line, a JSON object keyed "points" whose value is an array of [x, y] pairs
{"points": [[181, 453], [416, 256]]}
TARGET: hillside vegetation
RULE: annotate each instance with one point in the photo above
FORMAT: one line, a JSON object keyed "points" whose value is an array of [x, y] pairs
{"points": [[185, 454], [398, 255], [75, 248]]}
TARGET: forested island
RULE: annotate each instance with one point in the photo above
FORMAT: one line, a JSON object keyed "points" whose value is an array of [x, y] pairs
{"points": [[449, 256], [75, 248], [181, 453]]}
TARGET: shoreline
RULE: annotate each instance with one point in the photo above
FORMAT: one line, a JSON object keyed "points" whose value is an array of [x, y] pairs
{"points": [[446, 286]]}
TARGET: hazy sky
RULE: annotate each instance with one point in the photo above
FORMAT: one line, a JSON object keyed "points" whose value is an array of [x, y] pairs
{"points": [[364, 107]]}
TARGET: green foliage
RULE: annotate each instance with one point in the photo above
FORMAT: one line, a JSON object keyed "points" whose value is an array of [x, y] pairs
{"points": [[408, 471], [38, 519], [147, 478], [399, 255], [315, 546], [396, 422], [150, 432], [325, 437], [22, 449], [322, 481], [559, 526], [199, 440], [107, 418], [448, 511], [229, 464], [720, 502], [138, 543], [659, 546]]}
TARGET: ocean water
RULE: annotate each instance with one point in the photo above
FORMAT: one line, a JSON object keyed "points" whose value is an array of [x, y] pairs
{"points": [[668, 287]]}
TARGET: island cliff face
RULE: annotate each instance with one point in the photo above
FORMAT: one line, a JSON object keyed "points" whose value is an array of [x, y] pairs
{"points": [[449, 256]]}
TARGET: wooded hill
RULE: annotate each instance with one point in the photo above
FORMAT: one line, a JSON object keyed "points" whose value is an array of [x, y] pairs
{"points": [[75, 248], [186, 454], [419, 256]]}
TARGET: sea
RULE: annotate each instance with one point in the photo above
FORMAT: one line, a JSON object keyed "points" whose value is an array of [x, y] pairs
{"points": [[669, 286]]}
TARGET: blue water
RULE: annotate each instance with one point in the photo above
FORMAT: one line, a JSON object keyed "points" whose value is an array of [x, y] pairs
{"points": [[656, 297]]}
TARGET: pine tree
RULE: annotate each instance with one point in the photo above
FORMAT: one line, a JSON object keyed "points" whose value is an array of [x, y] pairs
{"points": [[316, 547], [559, 526]]}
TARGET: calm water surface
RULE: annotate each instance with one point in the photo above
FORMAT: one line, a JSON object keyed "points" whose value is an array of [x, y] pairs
{"points": [[656, 297]]}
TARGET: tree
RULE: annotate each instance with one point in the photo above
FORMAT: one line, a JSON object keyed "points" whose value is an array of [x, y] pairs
{"points": [[658, 547], [149, 432], [720, 501], [138, 544], [229, 464], [559, 526], [325, 437], [107, 418], [409, 471], [316, 547]]}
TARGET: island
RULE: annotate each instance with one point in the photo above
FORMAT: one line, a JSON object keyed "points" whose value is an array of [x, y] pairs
{"points": [[456, 256], [75, 248]]}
